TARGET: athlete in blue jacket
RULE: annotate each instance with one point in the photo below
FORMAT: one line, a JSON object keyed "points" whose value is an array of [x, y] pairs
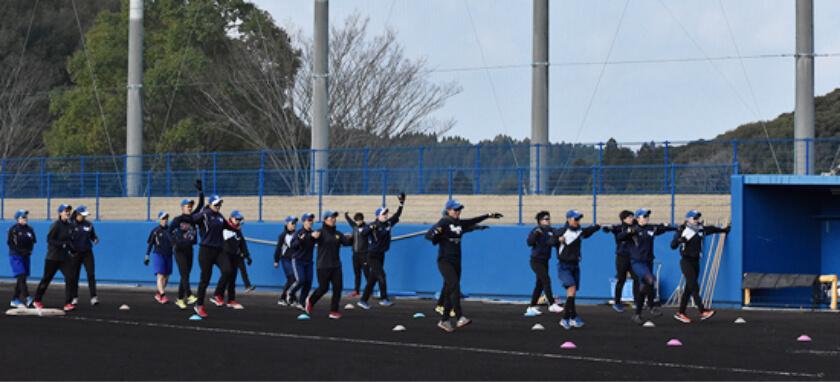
{"points": [[303, 246], [210, 223], [541, 239], [622, 257], [379, 234], [184, 232], [21, 239], [84, 236], [640, 237], [161, 240], [570, 238], [283, 255]]}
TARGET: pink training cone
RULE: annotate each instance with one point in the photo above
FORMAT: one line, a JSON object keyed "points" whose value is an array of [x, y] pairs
{"points": [[568, 345], [804, 338], [674, 342]]}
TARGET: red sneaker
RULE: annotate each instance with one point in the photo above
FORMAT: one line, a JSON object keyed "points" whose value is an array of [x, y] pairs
{"points": [[69, 307], [234, 305], [353, 293], [199, 309], [682, 318], [38, 305], [707, 315], [335, 315], [308, 306], [163, 299], [217, 300]]}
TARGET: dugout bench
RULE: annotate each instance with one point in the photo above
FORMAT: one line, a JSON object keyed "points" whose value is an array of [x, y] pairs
{"points": [[784, 280]]}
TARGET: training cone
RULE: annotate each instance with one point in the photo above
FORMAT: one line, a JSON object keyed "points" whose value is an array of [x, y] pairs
{"points": [[674, 342], [124, 307], [303, 317], [195, 317], [804, 338], [349, 307], [529, 314], [568, 345], [649, 324], [538, 327], [419, 315], [399, 328], [740, 320]]}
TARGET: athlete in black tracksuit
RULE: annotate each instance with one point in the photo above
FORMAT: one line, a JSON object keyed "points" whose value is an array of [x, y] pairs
{"points": [[283, 255], [360, 251], [447, 232], [640, 238], [622, 258], [379, 234], [689, 238], [21, 239], [541, 239], [58, 258], [328, 265], [237, 254], [84, 236], [183, 228], [210, 252]]}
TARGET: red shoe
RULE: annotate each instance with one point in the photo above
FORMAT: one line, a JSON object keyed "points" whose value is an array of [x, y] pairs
{"points": [[217, 300], [707, 315], [199, 309], [308, 306], [161, 298], [234, 305], [38, 305], [353, 293], [335, 315], [69, 307]]}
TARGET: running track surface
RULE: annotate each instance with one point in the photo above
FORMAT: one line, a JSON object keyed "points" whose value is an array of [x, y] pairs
{"points": [[267, 342]]}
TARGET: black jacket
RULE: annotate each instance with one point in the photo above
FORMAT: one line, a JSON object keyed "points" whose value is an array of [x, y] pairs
{"points": [[640, 239], [569, 251], [539, 239], [690, 239], [380, 233], [360, 243], [329, 245], [184, 225], [302, 245], [234, 241], [59, 239], [83, 236], [282, 249], [447, 232], [161, 239], [21, 239], [622, 247]]}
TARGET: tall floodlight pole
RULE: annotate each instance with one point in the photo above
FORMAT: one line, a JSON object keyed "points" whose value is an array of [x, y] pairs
{"points": [[134, 112], [320, 98], [803, 130], [539, 98]]}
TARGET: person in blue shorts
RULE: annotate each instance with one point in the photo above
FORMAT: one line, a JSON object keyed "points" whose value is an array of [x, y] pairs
{"points": [[21, 239], [641, 236], [161, 239], [569, 239], [283, 255]]}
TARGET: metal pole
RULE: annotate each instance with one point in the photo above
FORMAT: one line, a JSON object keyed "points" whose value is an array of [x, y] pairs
{"points": [[803, 131], [539, 94], [320, 90], [134, 110]]}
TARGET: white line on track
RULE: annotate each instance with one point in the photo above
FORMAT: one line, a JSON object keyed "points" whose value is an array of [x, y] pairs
{"points": [[452, 348]]}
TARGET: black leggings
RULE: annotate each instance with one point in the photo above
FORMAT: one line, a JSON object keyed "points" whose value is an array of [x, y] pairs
{"points": [[622, 266], [242, 271], [86, 258], [207, 257], [451, 288], [326, 277], [691, 269], [540, 268], [184, 259], [229, 283], [377, 274], [50, 269], [360, 266], [21, 289]]}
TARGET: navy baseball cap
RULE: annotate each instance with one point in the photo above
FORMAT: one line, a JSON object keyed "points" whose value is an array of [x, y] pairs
{"points": [[330, 213], [236, 215], [692, 214], [163, 215], [454, 204], [64, 207], [380, 210], [186, 201], [82, 210], [291, 219], [642, 212], [21, 214], [573, 214], [307, 216]]}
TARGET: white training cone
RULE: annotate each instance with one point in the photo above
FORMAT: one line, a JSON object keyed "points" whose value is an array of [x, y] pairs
{"points": [[649, 324], [349, 307], [568, 345], [804, 338], [674, 342], [740, 320], [538, 327], [399, 328], [124, 307]]}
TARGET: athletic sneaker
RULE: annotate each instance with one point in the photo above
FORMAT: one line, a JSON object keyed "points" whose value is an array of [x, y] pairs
{"points": [[75, 301], [656, 311], [533, 311], [16, 304], [555, 308], [37, 305], [192, 299], [386, 303], [69, 307], [249, 289], [463, 321], [199, 309], [217, 300], [618, 308], [161, 298], [353, 293], [682, 318], [335, 315], [566, 324], [363, 305], [637, 318], [29, 301], [707, 315], [282, 302], [308, 306], [439, 310], [445, 325], [576, 322], [94, 301], [181, 304], [235, 305], [297, 305]]}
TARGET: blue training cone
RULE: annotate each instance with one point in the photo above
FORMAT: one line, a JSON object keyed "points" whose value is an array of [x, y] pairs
{"points": [[419, 315], [303, 317], [195, 317]]}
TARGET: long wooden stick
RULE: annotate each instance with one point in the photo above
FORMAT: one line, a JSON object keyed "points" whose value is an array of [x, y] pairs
{"points": [[401, 237], [706, 269]]}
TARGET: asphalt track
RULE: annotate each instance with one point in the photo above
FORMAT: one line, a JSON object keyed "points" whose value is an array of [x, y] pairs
{"points": [[268, 342]]}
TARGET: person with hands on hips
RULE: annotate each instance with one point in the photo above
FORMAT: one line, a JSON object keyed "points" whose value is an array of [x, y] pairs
{"points": [[569, 239], [447, 234], [161, 240], [59, 240], [379, 234], [689, 238], [21, 239]]}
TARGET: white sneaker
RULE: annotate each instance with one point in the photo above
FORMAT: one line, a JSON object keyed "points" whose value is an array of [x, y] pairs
{"points": [[75, 301], [94, 301], [554, 308], [533, 311]]}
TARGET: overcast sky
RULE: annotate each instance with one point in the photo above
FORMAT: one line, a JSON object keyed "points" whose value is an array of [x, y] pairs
{"points": [[673, 72]]}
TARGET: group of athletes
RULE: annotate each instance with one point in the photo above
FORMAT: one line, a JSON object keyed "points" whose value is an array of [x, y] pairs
{"points": [[222, 244]]}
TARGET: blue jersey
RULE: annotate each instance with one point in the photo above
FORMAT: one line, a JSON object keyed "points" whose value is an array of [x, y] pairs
{"points": [[161, 239], [21, 240]]}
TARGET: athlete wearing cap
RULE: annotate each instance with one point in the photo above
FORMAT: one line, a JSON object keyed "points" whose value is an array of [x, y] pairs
{"points": [[84, 236], [303, 246], [237, 253], [689, 238], [622, 258], [541, 239], [21, 239], [59, 239], [161, 239], [210, 223], [640, 237], [360, 251], [183, 229], [283, 255], [329, 264], [379, 235], [447, 233], [569, 241]]}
